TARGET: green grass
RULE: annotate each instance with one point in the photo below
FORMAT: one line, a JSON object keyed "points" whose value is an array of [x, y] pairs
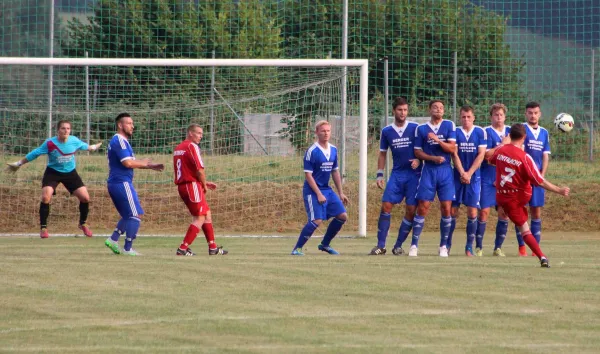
{"points": [[73, 295]]}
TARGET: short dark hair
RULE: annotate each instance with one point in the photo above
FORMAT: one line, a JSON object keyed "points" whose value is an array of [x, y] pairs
{"points": [[63, 121], [435, 101], [399, 101], [532, 104], [121, 116], [467, 108], [517, 131]]}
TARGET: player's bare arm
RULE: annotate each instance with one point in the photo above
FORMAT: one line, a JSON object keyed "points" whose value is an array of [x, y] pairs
{"points": [[337, 181], [143, 164], [447, 146], [547, 185], [380, 166], [202, 178], [545, 162], [476, 163], [313, 185], [421, 155]]}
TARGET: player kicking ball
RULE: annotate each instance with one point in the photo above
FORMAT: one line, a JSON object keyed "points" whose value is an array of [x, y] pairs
{"points": [[320, 201], [61, 151], [191, 185], [515, 172]]}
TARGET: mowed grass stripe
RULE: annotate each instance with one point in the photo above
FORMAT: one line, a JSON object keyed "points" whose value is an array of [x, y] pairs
{"points": [[67, 294]]}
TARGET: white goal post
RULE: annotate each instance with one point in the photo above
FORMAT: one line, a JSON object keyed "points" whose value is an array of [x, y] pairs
{"points": [[361, 64]]}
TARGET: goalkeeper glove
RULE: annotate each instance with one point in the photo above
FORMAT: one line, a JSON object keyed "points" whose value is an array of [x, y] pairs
{"points": [[94, 147], [14, 166]]}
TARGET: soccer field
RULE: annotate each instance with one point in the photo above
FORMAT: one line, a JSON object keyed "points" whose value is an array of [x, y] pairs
{"points": [[67, 294]]}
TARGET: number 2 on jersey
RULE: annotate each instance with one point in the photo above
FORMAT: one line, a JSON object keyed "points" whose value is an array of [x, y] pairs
{"points": [[508, 177]]}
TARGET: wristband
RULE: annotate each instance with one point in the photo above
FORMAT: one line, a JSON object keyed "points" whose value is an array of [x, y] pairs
{"points": [[379, 173]]}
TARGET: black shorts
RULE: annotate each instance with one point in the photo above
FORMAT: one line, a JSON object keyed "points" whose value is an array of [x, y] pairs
{"points": [[70, 180]]}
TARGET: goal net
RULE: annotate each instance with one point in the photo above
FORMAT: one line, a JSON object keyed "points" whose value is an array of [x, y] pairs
{"points": [[257, 115]]}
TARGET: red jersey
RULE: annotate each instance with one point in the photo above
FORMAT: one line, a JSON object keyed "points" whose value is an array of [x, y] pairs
{"points": [[186, 162], [515, 170]]}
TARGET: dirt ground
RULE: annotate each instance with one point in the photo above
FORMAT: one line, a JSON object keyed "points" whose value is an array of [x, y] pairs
{"points": [[258, 208]]}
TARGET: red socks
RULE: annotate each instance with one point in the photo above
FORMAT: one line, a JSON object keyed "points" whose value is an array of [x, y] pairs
{"points": [[190, 236], [532, 243], [209, 233]]}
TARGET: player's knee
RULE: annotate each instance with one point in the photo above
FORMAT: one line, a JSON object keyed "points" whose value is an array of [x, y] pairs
{"points": [[386, 207], [484, 213], [342, 217], [409, 213], [454, 212], [46, 198]]}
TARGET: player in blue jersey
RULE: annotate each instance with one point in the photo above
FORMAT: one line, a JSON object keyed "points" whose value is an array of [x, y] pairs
{"points": [[537, 145], [497, 135], [320, 201], [61, 151], [121, 163], [399, 137], [435, 143], [471, 143]]}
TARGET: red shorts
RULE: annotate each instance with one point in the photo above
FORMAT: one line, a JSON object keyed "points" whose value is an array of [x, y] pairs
{"points": [[514, 206], [193, 197]]}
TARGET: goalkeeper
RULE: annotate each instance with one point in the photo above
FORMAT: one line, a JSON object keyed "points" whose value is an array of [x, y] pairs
{"points": [[61, 151]]}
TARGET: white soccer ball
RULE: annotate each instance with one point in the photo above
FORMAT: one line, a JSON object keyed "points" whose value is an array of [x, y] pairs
{"points": [[564, 122]]}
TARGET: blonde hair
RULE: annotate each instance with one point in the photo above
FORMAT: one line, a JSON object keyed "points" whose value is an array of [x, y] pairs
{"points": [[496, 107], [193, 126], [320, 123]]}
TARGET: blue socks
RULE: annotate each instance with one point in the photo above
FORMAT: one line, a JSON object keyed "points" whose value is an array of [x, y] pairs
{"points": [[382, 228], [119, 230], [452, 227], [405, 228], [334, 227], [471, 230], [417, 229], [501, 230], [520, 240], [305, 234], [536, 229], [479, 233], [131, 230], [445, 223]]}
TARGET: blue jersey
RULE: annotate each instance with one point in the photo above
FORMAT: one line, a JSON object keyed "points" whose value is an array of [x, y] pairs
{"points": [[61, 156], [401, 141], [445, 131], [494, 138], [119, 150], [537, 143], [320, 162], [468, 144]]}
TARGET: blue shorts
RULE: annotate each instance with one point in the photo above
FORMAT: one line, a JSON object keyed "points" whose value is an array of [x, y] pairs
{"points": [[125, 199], [436, 179], [537, 197], [402, 184], [488, 196], [315, 211], [467, 194]]}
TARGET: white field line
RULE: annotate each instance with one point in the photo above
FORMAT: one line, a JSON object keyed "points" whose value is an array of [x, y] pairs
{"points": [[125, 323]]}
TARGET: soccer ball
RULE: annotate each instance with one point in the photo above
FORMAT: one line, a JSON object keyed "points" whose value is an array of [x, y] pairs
{"points": [[564, 122]]}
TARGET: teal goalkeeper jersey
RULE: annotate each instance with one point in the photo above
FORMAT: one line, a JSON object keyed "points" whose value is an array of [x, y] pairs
{"points": [[61, 156]]}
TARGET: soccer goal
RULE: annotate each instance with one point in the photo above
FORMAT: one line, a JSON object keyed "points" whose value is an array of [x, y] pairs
{"points": [[258, 117]]}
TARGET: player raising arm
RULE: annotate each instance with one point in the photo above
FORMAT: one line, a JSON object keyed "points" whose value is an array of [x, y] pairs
{"points": [[320, 201], [192, 185], [121, 163], [515, 173], [61, 151], [399, 137]]}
